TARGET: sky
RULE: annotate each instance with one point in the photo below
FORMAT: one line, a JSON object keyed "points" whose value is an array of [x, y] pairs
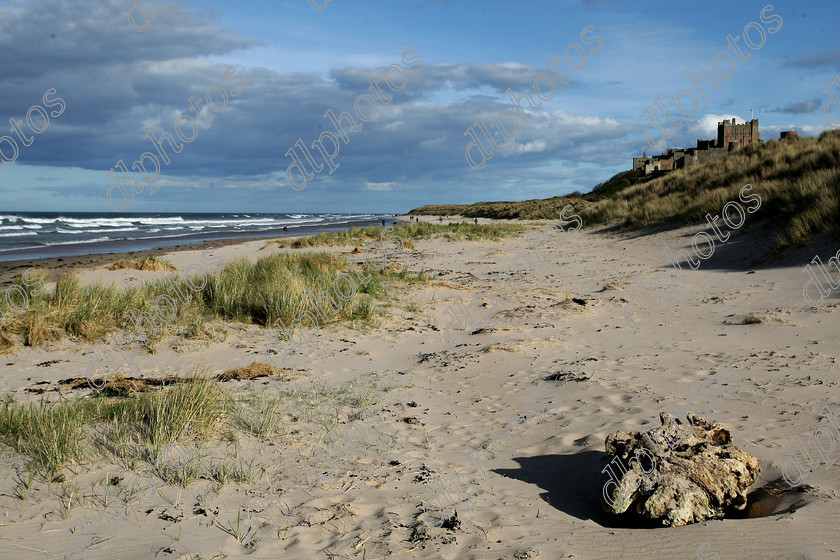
{"points": [[273, 68]]}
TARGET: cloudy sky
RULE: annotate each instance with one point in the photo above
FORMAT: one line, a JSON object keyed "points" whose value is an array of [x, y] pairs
{"points": [[296, 63]]}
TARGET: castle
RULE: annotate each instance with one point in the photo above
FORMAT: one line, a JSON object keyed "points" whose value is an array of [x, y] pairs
{"points": [[730, 137]]}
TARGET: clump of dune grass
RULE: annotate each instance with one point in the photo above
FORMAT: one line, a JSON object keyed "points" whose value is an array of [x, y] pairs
{"points": [[136, 429], [408, 232], [163, 416], [260, 292], [50, 435], [83, 312], [275, 287], [53, 435], [233, 471], [151, 263], [253, 371]]}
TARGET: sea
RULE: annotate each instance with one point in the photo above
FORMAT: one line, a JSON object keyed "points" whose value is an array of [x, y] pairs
{"points": [[34, 235]]}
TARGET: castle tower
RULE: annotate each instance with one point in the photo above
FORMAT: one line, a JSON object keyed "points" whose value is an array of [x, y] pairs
{"points": [[745, 134]]}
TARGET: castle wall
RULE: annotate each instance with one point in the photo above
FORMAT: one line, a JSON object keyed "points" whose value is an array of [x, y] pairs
{"points": [[706, 144], [684, 161], [710, 155]]}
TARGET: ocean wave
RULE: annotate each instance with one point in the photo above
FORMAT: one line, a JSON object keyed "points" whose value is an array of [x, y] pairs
{"points": [[92, 222], [235, 223], [78, 231], [94, 240], [65, 224], [17, 231], [299, 221]]}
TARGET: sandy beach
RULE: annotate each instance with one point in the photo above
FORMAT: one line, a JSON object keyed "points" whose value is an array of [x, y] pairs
{"points": [[426, 279], [559, 348]]}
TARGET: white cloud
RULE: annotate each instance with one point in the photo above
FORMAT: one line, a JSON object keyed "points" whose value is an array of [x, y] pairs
{"points": [[394, 125], [707, 124], [536, 146], [381, 187]]}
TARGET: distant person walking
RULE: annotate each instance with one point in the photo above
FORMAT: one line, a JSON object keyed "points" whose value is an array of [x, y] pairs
{"points": [[441, 220], [476, 221], [383, 223], [286, 229]]}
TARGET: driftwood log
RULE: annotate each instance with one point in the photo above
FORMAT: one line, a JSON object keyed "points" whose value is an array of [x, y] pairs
{"points": [[681, 473]]}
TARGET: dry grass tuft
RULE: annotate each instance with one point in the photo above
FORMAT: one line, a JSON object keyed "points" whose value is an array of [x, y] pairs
{"points": [[447, 284], [253, 371], [119, 385], [148, 264]]}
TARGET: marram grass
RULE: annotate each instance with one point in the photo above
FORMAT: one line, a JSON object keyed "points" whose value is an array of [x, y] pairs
{"points": [[52, 435], [258, 292], [409, 231]]}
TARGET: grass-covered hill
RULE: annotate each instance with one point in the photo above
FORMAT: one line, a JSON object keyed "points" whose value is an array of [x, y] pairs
{"points": [[537, 208], [798, 181]]}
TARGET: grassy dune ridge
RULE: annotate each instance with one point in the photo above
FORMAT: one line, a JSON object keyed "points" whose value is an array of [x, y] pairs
{"points": [[408, 232], [798, 181], [248, 292]]}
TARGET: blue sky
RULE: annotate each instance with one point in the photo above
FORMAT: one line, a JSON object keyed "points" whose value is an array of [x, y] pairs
{"points": [[296, 63]]}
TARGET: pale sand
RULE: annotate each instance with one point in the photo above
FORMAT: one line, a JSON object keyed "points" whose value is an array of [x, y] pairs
{"points": [[547, 497]]}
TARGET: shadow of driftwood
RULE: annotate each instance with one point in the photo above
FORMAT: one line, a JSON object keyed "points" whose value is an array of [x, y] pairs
{"points": [[574, 483]]}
